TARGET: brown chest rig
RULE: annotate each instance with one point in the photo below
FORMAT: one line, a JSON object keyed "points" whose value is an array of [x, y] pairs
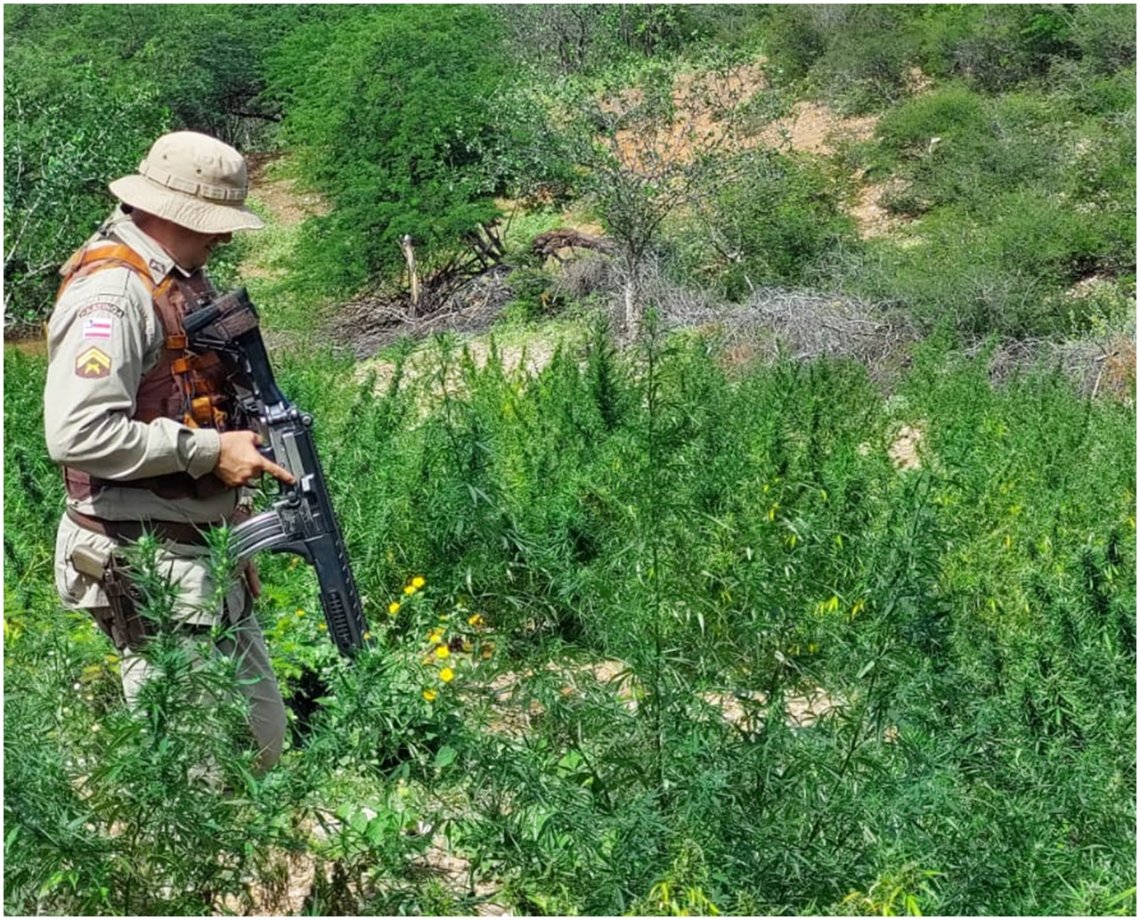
{"points": [[187, 387]]}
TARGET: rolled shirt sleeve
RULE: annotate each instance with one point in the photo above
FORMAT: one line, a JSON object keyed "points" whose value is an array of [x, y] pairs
{"points": [[102, 337]]}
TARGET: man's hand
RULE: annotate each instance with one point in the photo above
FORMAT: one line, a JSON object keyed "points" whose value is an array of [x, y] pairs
{"points": [[240, 462]]}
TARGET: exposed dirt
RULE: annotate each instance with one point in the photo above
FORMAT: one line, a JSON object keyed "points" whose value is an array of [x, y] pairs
{"points": [[1118, 376], [30, 346], [703, 123], [287, 205], [509, 717], [703, 105], [802, 709], [814, 128], [870, 213], [906, 448], [293, 877], [454, 872], [528, 360], [917, 82]]}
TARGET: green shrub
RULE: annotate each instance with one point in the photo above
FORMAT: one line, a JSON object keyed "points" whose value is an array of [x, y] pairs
{"points": [[414, 89], [1106, 35], [1099, 95], [793, 42], [771, 225], [952, 112], [52, 199], [960, 148]]}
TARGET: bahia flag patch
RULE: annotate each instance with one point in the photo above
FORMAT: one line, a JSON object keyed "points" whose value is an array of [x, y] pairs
{"points": [[97, 327], [93, 364]]}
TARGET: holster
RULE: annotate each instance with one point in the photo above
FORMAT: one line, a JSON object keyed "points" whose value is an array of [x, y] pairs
{"points": [[120, 620]]}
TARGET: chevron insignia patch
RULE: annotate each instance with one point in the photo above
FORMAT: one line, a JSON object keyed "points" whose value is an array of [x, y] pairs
{"points": [[93, 363]]}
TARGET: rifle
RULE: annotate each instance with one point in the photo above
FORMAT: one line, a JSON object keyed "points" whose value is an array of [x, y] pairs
{"points": [[301, 520]]}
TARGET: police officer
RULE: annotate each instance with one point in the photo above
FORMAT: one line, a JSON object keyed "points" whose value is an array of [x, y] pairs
{"points": [[139, 423]]}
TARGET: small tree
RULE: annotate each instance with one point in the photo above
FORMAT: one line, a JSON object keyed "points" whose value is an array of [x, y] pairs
{"points": [[645, 152]]}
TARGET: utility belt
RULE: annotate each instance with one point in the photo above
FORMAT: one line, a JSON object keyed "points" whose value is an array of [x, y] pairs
{"points": [[121, 620]]}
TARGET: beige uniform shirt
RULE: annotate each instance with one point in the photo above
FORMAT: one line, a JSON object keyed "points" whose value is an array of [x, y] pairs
{"points": [[103, 335]]}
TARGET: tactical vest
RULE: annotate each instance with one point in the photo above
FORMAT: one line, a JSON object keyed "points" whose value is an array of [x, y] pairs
{"points": [[187, 387]]}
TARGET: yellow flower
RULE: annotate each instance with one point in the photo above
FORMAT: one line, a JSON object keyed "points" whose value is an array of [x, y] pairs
{"points": [[476, 620], [300, 612], [393, 608], [322, 627], [447, 675], [442, 651], [409, 590], [430, 694], [418, 582], [367, 636], [436, 635]]}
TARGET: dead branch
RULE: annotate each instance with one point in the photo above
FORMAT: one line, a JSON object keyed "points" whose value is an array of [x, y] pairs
{"points": [[549, 243]]}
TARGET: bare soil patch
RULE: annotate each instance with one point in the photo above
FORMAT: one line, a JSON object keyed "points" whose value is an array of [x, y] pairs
{"points": [[702, 103], [703, 124], [803, 708], [814, 128], [508, 715], [286, 204], [906, 448], [527, 360], [870, 213]]}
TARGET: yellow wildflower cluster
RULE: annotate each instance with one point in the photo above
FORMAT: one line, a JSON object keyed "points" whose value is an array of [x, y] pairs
{"points": [[410, 590], [442, 649]]}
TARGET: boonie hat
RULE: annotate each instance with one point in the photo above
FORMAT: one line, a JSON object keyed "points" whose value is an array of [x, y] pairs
{"points": [[193, 180]]}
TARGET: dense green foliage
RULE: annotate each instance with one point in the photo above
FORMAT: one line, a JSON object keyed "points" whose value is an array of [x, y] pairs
{"points": [[1024, 144], [723, 537], [86, 91], [661, 629], [775, 223], [861, 54], [413, 87]]}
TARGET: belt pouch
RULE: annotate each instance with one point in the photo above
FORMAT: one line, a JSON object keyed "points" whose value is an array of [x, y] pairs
{"points": [[126, 627]]}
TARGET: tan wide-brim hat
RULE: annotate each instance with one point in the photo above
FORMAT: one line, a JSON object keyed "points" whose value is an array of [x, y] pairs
{"points": [[193, 180]]}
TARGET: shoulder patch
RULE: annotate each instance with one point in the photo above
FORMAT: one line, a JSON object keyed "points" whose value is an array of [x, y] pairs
{"points": [[102, 306], [93, 363], [98, 327]]}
